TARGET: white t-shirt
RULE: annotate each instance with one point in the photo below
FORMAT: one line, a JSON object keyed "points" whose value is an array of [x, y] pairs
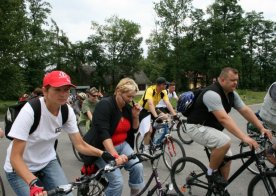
{"points": [[39, 149], [162, 104]]}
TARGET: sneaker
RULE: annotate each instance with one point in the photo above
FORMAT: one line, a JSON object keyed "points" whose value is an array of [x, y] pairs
{"points": [[217, 179], [271, 155]]}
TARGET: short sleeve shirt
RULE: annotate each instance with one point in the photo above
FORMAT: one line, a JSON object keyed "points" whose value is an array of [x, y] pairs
{"points": [[155, 98], [39, 150], [213, 102], [87, 106]]}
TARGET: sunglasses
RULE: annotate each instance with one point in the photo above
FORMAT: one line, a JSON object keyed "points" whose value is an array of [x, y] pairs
{"points": [[94, 95]]}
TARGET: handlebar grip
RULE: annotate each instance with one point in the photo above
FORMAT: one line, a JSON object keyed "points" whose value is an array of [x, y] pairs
{"points": [[132, 156], [52, 192]]}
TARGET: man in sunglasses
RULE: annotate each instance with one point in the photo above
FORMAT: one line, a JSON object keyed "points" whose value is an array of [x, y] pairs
{"points": [[87, 109]]}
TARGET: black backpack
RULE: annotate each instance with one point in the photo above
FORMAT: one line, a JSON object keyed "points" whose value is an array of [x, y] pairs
{"points": [[14, 110]]}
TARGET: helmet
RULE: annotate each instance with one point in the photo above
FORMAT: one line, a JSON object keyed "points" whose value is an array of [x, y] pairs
{"points": [[82, 95]]}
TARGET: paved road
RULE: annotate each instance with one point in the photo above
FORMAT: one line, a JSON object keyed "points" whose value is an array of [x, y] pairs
{"points": [[72, 166]]}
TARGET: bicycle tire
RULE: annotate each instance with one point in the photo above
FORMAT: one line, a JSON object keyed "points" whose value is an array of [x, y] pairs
{"points": [[170, 155], [252, 167], [76, 153], [191, 180], [2, 188], [182, 134], [256, 186], [139, 143]]}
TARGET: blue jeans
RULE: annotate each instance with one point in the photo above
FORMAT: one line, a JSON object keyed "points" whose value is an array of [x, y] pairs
{"points": [[52, 176], [115, 178]]}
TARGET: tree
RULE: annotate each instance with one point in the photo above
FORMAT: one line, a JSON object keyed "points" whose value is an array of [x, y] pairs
{"points": [[121, 45]]}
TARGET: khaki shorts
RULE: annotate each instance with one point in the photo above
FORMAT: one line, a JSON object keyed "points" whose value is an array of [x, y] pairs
{"points": [[208, 136]]}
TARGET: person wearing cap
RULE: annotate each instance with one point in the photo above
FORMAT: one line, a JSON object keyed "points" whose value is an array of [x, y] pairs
{"points": [[31, 154], [87, 109], [148, 102], [171, 94], [77, 104], [113, 127]]}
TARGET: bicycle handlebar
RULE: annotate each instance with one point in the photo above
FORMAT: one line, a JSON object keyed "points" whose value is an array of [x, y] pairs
{"points": [[67, 188]]}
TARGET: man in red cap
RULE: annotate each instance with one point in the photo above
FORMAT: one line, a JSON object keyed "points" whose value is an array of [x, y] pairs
{"points": [[31, 154]]}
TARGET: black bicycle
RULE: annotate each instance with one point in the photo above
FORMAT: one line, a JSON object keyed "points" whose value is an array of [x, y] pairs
{"points": [[192, 180], [2, 188], [171, 147], [254, 133]]}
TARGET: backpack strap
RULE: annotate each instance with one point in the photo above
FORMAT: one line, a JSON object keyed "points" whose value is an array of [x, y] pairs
{"points": [[35, 103], [64, 113]]}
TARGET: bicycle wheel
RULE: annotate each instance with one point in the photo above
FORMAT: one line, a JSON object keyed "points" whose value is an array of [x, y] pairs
{"points": [[139, 143], [182, 134], [191, 180], [2, 189], [252, 167], [257, 186], [173, 150], [76, 153], [93, 188]]}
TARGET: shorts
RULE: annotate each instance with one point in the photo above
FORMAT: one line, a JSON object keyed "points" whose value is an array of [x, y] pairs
{"points": [[208, 136]]}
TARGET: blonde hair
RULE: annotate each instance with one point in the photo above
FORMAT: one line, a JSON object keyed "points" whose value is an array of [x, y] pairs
{"points": [[126, 85]]}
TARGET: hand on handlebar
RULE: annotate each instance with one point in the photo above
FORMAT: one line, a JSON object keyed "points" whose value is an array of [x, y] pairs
{"points": [[251, 142], [107, 157], [36, 188], [122, 159]]}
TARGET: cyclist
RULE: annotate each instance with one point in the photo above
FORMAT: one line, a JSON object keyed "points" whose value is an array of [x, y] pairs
{"points": [[113, 126], [33, 154], [268, 115], [149, 100], [171, 94], [88, 107], [210, 116]]}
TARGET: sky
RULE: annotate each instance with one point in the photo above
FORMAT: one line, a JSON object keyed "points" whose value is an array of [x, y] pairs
{"points": [[74, 16]]}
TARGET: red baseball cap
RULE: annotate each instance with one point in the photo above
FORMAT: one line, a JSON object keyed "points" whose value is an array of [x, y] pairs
{"points": [[57, 79]]}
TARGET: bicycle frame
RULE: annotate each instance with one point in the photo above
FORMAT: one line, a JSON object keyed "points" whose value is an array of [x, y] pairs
{"points": [[253, 158]]}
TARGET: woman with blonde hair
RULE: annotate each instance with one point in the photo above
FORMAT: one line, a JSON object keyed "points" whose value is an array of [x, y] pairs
{"points": [[113, 126]]}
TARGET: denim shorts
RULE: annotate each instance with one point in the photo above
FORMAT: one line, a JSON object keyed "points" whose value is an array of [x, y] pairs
{"points": [[208, 136]]}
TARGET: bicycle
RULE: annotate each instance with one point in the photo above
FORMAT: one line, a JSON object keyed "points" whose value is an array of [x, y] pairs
{"points": [[2, 188], [172, 148], [193, 178], [157, 188], [180, 124], [256, 135], [88, 185]]}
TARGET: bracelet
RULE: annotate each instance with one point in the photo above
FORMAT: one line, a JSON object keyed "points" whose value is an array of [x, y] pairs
{"points": [[116, 156], [33, 182]]}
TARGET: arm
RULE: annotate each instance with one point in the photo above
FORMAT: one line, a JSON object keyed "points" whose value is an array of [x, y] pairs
{"points": [[89, 115], [18, 163], [120, 159], [135, 116], [152, 108], [249, 115], [170, 108], [229, 124], [83, 147]]}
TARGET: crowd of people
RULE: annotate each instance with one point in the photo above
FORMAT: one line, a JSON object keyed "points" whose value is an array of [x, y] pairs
{"points": [[110, 124]]}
